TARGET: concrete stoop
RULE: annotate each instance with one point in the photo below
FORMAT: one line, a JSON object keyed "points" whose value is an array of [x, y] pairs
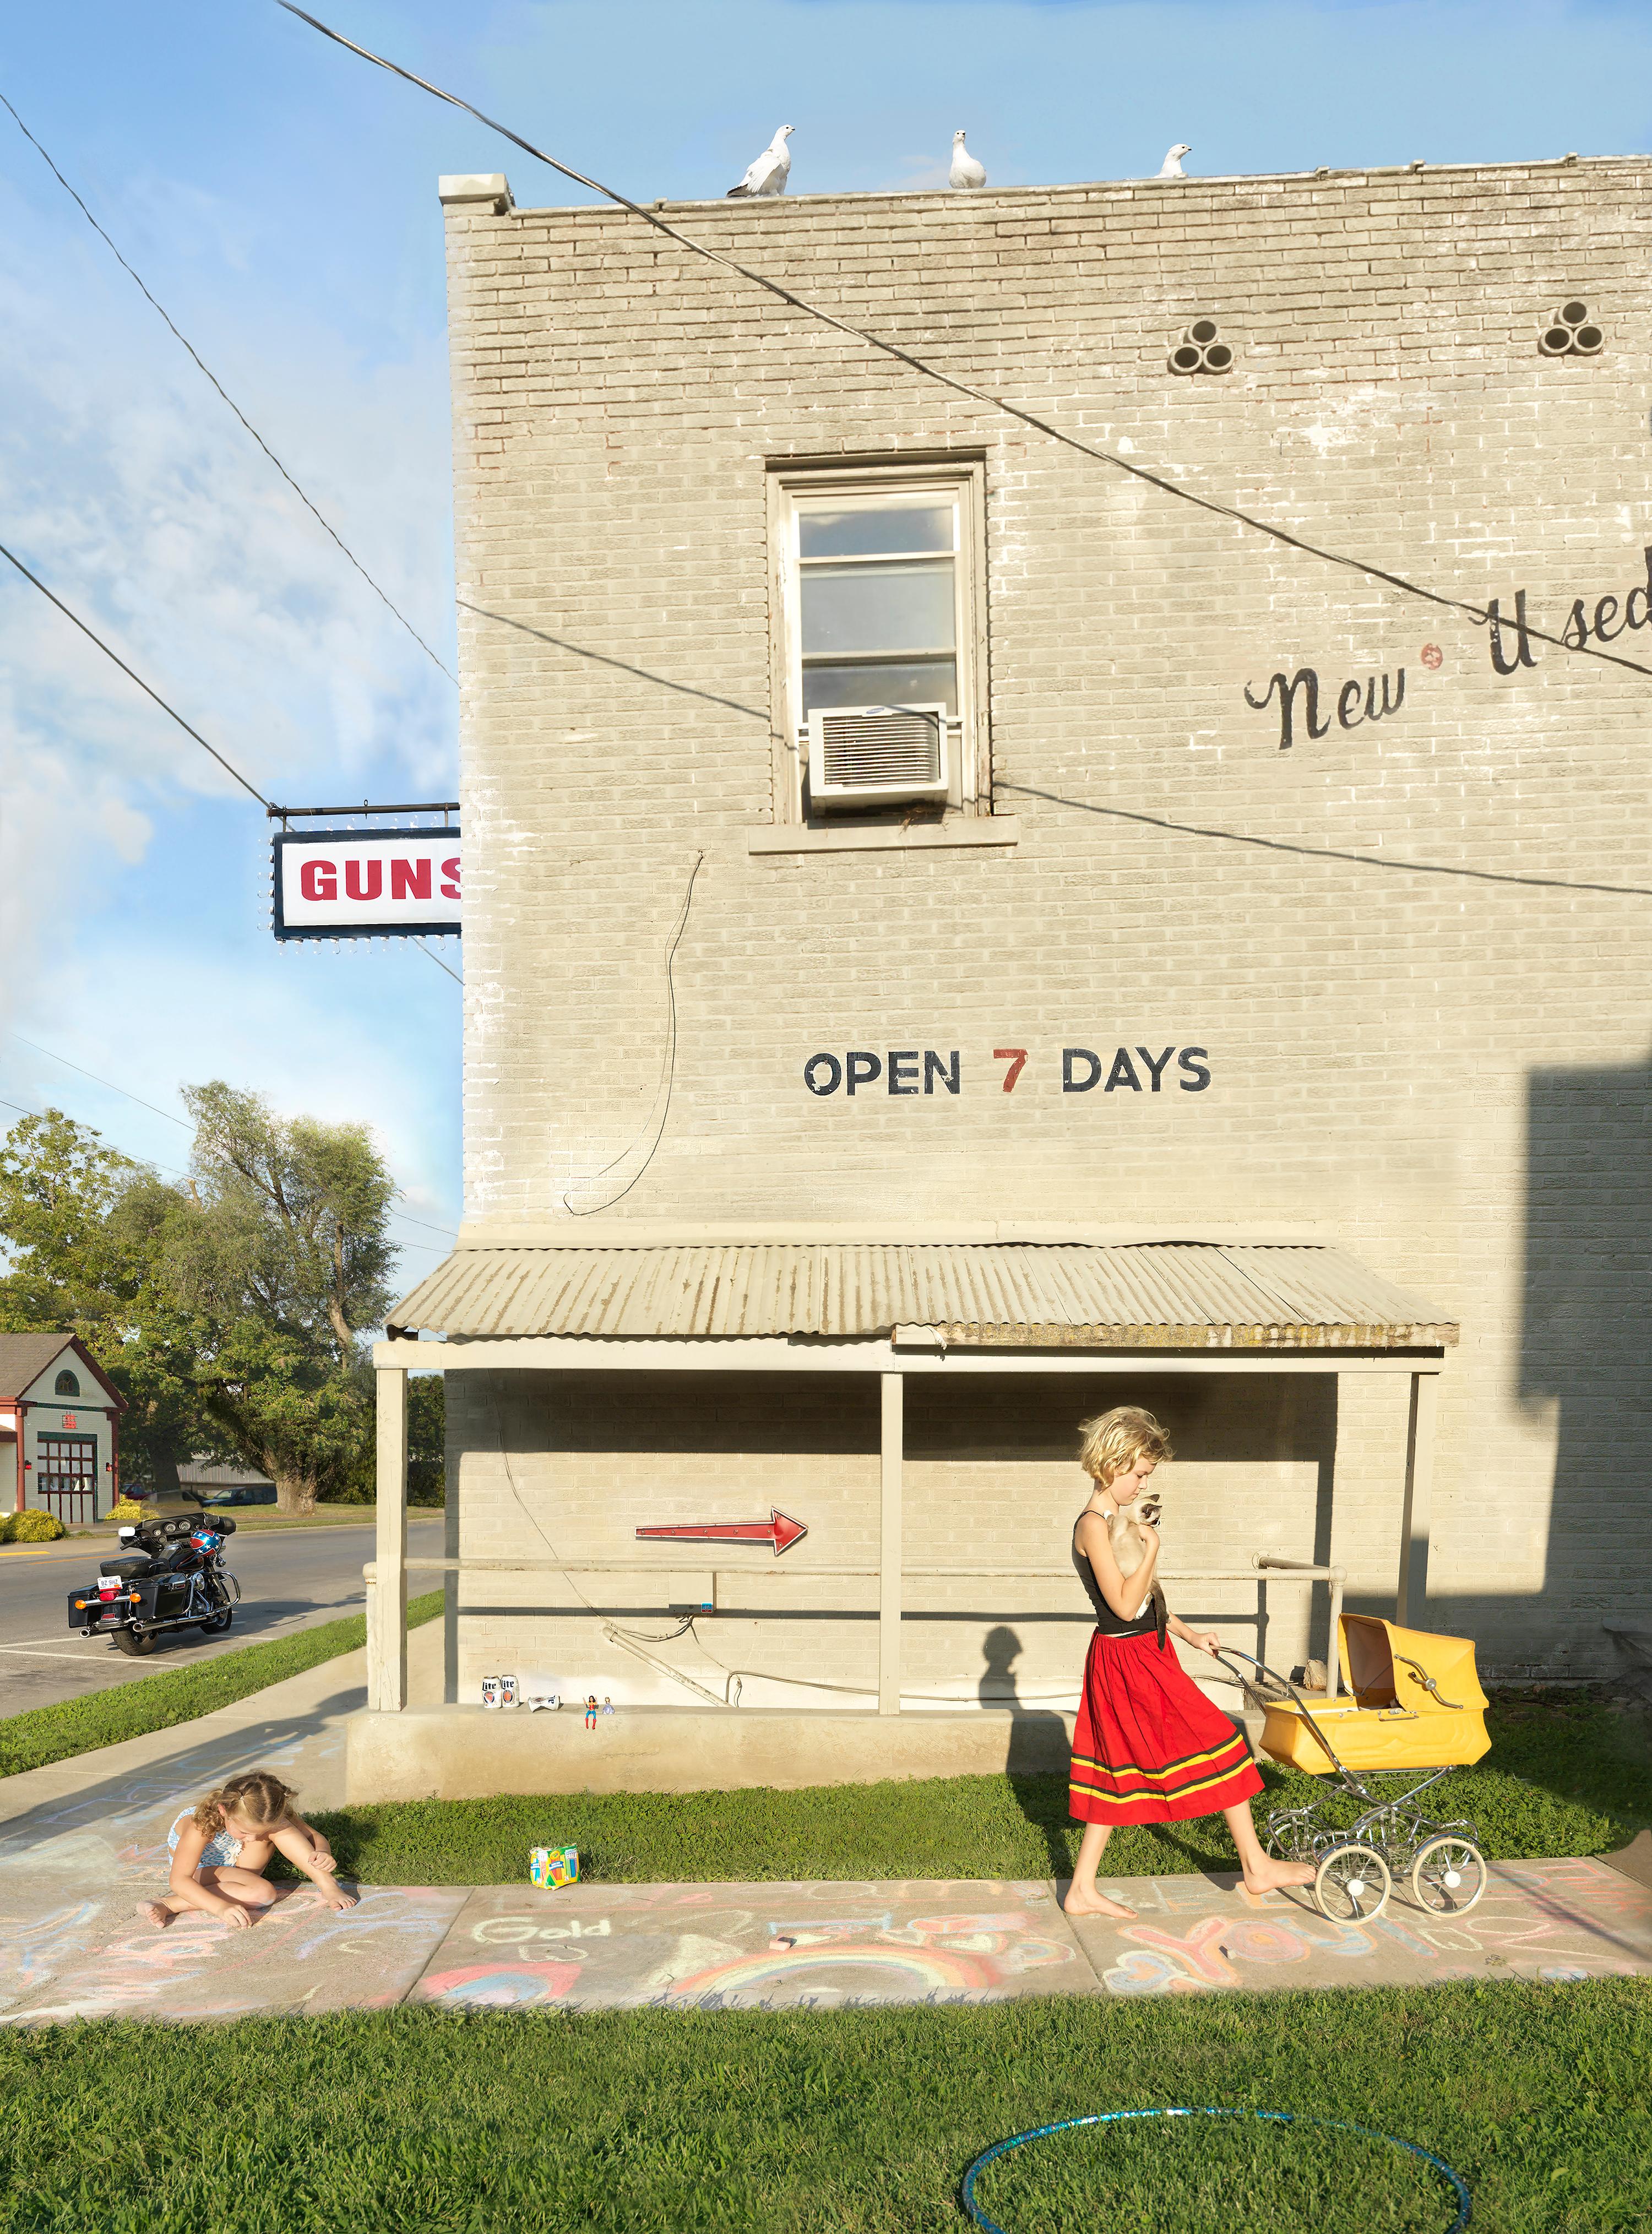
{"points": [[471, 1753]]}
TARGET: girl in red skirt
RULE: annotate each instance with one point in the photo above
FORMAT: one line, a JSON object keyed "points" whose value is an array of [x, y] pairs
{"points": [[1149, 1747]]}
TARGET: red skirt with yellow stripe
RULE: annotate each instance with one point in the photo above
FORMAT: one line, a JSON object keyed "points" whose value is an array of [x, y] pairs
{"points": [[1149, 1747]]}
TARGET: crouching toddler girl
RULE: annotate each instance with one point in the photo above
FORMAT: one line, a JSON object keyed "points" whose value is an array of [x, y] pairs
{"points": [[221, 1845]]}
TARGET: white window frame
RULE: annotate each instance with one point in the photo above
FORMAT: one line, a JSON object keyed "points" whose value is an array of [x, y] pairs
{"points": [[959, 480]]}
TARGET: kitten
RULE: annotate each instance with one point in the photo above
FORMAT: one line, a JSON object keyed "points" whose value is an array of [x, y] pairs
{"points": [[1127, 1531]]}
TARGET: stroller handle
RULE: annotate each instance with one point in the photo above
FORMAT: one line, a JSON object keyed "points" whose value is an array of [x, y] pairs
{"points": [[1223, 1653], [1420, 1674]]}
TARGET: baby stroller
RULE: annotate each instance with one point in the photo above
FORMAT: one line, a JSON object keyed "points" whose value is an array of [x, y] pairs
{"points": [[1416, 1703]]}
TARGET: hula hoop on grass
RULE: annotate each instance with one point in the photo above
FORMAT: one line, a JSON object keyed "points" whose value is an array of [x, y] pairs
{"points": [[966, 2192]]}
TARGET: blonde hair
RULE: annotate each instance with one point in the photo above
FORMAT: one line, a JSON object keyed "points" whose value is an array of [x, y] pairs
{"points": [[257, 1798], [1114, 1440]]}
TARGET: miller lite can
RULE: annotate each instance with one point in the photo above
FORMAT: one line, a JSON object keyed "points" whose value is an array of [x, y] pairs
{"points": [[508, 1690], [490, 1690]]}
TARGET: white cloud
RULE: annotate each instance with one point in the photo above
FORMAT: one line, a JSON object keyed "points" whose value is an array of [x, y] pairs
{"points": [[133, 885]]}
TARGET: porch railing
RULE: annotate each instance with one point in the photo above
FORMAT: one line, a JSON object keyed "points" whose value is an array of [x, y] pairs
{"points": [[383, 1652]]}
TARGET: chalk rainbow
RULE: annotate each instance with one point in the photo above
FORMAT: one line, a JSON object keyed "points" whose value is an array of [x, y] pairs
{"points": [[928, 1969]]}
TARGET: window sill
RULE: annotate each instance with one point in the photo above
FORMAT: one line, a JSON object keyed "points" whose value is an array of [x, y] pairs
{"points": [[882, 837]]}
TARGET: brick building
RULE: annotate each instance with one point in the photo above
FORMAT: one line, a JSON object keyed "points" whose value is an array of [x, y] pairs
{"points": [[61, 1415], [958, 934]]}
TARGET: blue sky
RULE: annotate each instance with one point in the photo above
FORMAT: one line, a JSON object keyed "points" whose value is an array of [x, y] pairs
{"points": [[279, 198]]}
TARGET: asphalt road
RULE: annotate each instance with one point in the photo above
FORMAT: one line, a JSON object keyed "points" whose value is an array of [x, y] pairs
{"points": [[290, 1579]]}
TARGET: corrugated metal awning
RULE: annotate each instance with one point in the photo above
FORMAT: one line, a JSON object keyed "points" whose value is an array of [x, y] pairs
{"points": [[1161, 1295]]}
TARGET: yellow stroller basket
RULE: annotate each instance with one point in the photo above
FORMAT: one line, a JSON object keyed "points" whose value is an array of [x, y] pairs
{"points": [[1416, 1703]]}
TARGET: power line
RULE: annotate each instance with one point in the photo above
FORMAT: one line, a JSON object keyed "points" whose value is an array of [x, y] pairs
{"points": [[172, 711], [1395, 864], [173, 1168], [52, 1110], [218, 384], [406, 1217], [1481, 616], [53, 1056], [132, 672]]}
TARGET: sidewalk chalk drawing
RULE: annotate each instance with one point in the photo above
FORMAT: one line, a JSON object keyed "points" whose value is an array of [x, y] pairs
{"points": [[904, 1974], [1560, 1943], [963, 1955], [364, 1958], [32, 1953], [496, 1986]]}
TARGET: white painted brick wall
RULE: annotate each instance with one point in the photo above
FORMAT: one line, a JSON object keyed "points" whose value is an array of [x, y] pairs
{"points": [[1447, 1074]]}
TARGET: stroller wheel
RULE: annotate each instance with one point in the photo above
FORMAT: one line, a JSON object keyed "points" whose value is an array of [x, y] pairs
{"points": [[1448, 1876], [1352, 1884]]}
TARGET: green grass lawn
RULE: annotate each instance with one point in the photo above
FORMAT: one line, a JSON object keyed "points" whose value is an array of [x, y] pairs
{"points": [[1567, 1774], [855, 2121], [256, 1517], [155, 1702]]}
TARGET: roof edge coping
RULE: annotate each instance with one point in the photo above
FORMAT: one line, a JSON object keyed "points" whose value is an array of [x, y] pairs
{"points": [[651, 1233], [1351, 174]]}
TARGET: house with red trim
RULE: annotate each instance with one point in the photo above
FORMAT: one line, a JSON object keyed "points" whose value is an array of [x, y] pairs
{"points": [[59, 1426]]}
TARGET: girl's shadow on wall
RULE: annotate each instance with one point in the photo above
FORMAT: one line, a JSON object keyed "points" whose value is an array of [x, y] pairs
{"points": [[1038, 1766]]}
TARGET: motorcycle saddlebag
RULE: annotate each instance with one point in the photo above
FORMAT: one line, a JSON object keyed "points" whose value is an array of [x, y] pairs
{"points": [[160, 1598]]}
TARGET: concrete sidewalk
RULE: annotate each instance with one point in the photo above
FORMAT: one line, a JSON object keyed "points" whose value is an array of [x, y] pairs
{"points": [[82, 1842], [70, 1947]]}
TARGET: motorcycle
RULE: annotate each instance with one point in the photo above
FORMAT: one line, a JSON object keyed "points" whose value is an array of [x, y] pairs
{"points": [[169, 1573]]}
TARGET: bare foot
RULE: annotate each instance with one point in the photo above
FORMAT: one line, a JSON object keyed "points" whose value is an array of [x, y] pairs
{"points": [[155, 1912], [1272, 1876], [1095, 1904], [335, 1897]]}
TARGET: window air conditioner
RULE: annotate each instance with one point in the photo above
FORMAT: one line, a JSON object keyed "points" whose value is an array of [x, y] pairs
{"points": [[869, 756]]}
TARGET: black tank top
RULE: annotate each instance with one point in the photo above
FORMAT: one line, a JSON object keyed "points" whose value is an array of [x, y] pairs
{"points": [[1108, 1623]]}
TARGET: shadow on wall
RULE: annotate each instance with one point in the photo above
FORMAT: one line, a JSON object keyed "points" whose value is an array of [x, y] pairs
{"points": [[1030, 1423], [1587, 1321], [992, 1467], [1038, 1735]]}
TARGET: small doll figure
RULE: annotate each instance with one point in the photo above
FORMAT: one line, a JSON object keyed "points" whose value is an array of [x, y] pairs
{"points": [[608, 1706], [590, 1710]]}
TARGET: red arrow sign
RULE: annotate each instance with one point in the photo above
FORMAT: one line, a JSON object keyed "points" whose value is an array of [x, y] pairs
{"points": [[778, 1530]]}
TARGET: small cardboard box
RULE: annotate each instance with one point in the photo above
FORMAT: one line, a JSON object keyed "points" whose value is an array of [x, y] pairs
{"points": [[554, 1866]]}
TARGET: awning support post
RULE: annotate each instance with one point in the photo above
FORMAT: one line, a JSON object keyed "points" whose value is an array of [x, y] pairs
{"points": [[386, 1603], [889, 1544], [1411, 1596]]}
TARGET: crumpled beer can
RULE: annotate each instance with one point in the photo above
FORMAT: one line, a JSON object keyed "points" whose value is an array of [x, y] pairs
{"points": [[551, 1866]]}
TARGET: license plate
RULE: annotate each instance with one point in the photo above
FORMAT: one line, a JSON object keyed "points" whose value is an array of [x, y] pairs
{"points": [[110, 1583]]}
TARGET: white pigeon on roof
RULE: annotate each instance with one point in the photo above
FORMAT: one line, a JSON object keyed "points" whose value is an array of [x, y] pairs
{"points": [[768, 173], [1172, 165], [966, 171]]}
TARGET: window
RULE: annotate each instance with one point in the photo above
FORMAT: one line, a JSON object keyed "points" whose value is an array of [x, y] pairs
{"points": [[879, 671], [66, 1385]]}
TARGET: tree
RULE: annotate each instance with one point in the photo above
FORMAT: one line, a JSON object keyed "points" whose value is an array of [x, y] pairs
{"points": [[279, 1250], [228, 1311], [80, 1222], [427, 1438]]}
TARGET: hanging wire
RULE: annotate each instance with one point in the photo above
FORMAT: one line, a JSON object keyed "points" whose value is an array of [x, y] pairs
{"points": [[667, 1074], [171, 711], [383, 595], [1482, 616]]}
